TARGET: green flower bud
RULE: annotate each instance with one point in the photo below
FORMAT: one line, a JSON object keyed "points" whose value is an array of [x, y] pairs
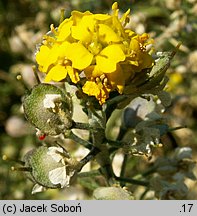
{"points": [[49, 167], [49, 109]]}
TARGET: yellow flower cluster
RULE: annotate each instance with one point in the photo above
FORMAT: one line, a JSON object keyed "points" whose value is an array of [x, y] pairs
{"points": [[96, 47]]}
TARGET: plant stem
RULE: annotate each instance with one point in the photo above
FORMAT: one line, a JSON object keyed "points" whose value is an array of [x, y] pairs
{"points": [[36, 74], [83, 126], [97, 119], [176, 128], [132, 181], [146, 173], [88, 157], [79, 140], [92, 173], [114, 143], [121, 134], [144, 193], [116, 100], [149, 171], [123, 168], [80, 125]]}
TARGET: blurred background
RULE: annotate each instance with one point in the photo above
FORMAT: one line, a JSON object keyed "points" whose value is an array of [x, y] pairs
{"points": [[22, 25]]}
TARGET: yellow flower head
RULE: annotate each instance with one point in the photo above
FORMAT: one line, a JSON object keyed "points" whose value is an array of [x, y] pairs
{"points": [[97, 45]]}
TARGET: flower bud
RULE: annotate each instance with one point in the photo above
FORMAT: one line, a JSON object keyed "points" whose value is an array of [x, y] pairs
{"points": [[49, 109]]}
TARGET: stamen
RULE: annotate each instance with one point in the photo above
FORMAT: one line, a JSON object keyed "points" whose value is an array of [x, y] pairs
{"points": [[98, 80], [133, 54], [53, 29], [65, 62], [48, 40], [44, 41], [105, 81], [143, 48], [102, 77]]}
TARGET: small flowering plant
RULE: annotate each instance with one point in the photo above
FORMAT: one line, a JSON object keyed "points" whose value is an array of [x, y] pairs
{"points": [[110, 68]]}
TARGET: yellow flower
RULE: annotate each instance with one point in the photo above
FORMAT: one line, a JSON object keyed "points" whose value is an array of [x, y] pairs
{"points": [[97, 45], [100, 85], [175, 79], [51, 60]]}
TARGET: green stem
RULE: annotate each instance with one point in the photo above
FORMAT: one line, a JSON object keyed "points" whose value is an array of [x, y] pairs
{"points": [[83, 126], [36, 74], [116, 100], [111, 104], [123, 168], [91, 155], [176, 128], [132, 181], [121, 134], [149, 171], [80, 125], [144, 193], [97, 120], [146, 173], [115, 143], [92, 173], [79, 140]]}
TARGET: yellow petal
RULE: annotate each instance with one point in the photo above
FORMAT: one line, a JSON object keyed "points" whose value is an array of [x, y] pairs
{"points": [[64, 30], [134, 44], [109, 57], [47, 57], [93, 71], [102, 17], [77, 16], [57, 73], [107, 34], [83, 30], [98, 90], [73, 74], [117, 79], [42, 55], [63, 49], [79, 55], [91, 88]]}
